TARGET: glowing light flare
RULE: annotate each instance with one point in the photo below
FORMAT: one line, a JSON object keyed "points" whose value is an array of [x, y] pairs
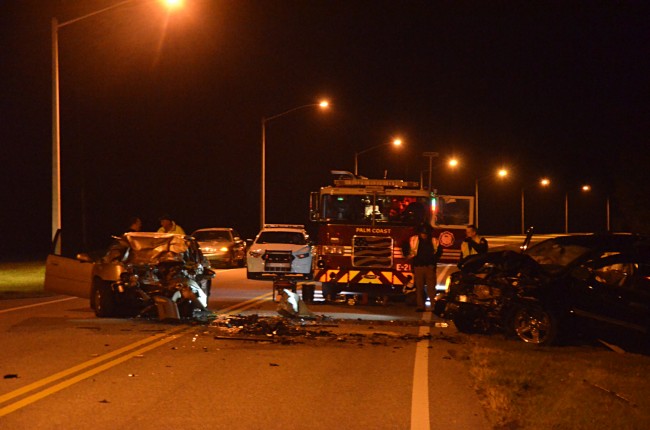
{"points": [[397, 142], [453, 162], [173, 4], [545, 182], [502, 173], [324, 104], [586, 188]]}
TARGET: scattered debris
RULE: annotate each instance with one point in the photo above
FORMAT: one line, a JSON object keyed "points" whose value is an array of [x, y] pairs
{"points": [[292, 306], [274, 365], [610, 392], [132, 375], [614, 348], [11, 376], [104, 401]]}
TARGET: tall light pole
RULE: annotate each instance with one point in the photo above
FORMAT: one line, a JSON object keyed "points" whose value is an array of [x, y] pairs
{"points": [[395, 142], [501, 173], [452, 163], [324, 104], [585, 189], [431, 156], [544, 182], [56, 120]]}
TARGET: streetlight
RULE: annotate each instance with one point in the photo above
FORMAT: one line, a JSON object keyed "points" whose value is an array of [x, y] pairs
{"points": [[585, 189], [452, 163], [323, 104], [544, 182], [501, 173], [395, 142], [56, 121]]}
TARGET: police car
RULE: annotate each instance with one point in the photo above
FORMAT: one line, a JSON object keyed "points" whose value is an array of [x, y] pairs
{"points": [[280, 250]]}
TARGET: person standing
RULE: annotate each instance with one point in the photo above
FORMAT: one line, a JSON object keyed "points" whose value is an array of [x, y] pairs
{"points": [[473, 244], [135, 224], [424, 251], [168, 225]]}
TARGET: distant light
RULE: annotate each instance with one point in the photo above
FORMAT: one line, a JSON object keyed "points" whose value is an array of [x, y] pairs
{"points": [[545, 182], [502, 173], [453, 162], [397, 142], [324, 104], [173, 4], [586, 188]]}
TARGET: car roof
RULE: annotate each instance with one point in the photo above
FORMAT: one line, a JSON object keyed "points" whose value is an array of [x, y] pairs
{"points": [[622, 241]]}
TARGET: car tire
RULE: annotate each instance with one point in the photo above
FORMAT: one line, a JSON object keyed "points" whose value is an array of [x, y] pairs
{"points": [[534, 324], [104, 301], [250, 275]]}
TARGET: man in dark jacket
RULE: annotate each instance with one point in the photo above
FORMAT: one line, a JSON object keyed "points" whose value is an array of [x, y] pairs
{"points": [[424, 251]]}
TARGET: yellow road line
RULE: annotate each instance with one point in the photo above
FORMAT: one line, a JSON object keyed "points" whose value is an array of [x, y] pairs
{"points": [[244, 305], [68, 382], [128, 351], [82, 366]]}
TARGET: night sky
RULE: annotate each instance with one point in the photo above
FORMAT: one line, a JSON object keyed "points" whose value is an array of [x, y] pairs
{"points": [[161, 112]]}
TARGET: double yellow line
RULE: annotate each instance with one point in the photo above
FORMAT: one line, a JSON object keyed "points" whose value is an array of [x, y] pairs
{"points": [[104, 362]]}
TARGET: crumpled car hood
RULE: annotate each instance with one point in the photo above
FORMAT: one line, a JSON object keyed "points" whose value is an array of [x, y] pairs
{"points": [[154, 248]]}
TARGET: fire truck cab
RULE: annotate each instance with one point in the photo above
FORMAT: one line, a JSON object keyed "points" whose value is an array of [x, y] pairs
{"points": [[363, 225]]}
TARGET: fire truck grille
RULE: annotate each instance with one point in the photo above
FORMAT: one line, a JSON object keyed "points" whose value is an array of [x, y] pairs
{"points": [[372, 251], [277, 261]]}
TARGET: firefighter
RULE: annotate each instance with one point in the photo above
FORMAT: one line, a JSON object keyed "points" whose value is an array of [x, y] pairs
{"points": [[473, 244], [424, 251]]}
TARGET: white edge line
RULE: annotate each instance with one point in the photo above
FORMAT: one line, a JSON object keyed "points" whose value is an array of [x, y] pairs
{"points": [[420, 394], [3, 311]]}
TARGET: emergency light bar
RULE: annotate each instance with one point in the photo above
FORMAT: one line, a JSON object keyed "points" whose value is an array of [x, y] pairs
{"points": [[297, 226], [393, 183]]}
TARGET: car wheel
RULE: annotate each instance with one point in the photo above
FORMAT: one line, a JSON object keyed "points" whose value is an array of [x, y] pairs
{"points": [[534, 324], [104, 301], [249, 275]]}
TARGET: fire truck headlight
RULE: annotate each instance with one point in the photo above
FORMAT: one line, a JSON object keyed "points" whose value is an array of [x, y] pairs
{"points": [[338, 250]]}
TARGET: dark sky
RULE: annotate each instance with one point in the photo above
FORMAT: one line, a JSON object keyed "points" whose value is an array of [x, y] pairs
{"points": [[161, 112]]}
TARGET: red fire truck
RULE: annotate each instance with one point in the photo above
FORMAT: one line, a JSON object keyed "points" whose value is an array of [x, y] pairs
{"points": [[363, 225]]}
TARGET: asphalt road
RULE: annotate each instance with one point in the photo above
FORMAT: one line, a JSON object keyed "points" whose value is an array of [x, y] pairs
{"points": [[383, 367]]}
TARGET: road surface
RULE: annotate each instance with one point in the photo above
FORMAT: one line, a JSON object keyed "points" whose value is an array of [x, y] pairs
{"points": [[383, 367]]}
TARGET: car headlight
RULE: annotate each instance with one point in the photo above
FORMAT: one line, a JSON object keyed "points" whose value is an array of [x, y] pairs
{"points": [[256, 253], [224, 249]]}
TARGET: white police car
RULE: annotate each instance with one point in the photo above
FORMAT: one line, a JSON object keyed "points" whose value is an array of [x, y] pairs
{"points": [[280, 250]]}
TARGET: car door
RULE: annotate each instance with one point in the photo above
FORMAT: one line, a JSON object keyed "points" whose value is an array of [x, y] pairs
{"points": [[608, 295], [67, 275]]}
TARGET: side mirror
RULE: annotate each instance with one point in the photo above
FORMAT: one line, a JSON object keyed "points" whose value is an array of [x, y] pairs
{"points": [[84, 258], [582, 273]]}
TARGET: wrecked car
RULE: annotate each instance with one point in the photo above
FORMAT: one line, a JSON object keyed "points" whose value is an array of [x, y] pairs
{"points": [[599, 281], [142, 274]]}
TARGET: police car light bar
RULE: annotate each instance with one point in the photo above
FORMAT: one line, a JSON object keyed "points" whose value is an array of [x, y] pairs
{"points": [[298, 226]]}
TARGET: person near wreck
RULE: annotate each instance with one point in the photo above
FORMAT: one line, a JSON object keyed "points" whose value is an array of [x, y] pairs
{"points": [[168, 225], [424, 250], [473, 244], [135, 225]]}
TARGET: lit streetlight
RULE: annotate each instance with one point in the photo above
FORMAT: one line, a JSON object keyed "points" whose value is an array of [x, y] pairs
{"points": [[585, 189], [501, 173], [544, 182], [56, 120], [452, 163], [397, 142], [324, 104]]}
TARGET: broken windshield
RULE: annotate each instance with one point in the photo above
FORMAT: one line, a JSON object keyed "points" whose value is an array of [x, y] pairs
{"points": [[555, 256]]}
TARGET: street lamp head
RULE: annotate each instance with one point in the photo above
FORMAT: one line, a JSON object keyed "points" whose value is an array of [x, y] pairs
{"points": [[324, 104], [397, 142], [173, 4], [545, 182], [453, 162], [586, 188], [502, 173]]}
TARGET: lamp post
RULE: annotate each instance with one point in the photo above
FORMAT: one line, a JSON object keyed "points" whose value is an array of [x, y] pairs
{"points": [[394, 142], [585, 189], [56, 120], [501, 173], [452, 163], [323, 105], [544, 182]]}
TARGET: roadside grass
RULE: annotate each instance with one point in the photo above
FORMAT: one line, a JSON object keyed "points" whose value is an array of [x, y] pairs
{"points": [[22, 278], [572, 387]]}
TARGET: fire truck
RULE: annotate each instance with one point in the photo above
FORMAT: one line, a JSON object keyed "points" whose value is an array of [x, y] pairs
{"points": [[363, 225]]}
